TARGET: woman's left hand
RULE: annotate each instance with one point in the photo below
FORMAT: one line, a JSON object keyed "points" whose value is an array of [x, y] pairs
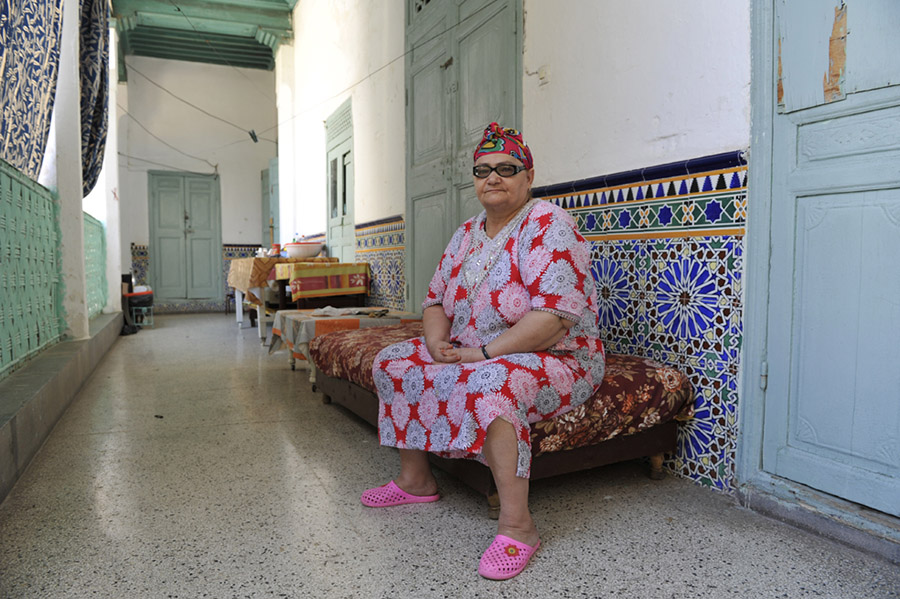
{"points": [[464, 355]]}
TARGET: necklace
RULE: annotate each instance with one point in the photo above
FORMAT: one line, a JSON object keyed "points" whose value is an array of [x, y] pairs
{"points": [[484, 251]]}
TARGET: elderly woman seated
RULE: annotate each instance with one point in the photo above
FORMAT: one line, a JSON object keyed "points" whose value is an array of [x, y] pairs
{"points": [[511, 338]]}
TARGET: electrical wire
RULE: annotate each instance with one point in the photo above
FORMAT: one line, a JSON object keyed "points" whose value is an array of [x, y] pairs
{"points": [[296, 114], [373, 73], [195, 107], [161, 140], [175, 168]]}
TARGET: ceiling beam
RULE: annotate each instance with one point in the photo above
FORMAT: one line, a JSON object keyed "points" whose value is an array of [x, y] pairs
{"points": [[234, 60], [250, 13]]}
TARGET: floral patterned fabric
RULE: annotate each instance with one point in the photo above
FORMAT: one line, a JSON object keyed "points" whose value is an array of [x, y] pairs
{"points": [[636, 394], [29, 64], [538, 261], [94, 65], [349, 355]]}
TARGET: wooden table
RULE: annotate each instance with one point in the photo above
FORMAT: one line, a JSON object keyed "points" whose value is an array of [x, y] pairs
{"points": [[250, 276], [296, 328]]}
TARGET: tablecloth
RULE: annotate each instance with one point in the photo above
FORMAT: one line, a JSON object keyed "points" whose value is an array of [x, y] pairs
{"points": [[245, 274], [322, 280], [295, 328]]}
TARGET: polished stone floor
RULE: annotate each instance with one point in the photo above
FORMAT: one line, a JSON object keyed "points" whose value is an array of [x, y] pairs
{"points": [[194, 464]]}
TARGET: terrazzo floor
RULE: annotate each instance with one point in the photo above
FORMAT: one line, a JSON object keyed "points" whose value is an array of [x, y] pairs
{"points": [[193, 464]]}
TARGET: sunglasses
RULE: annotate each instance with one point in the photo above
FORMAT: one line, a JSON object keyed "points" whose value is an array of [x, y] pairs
{"points": [[483, 171]]}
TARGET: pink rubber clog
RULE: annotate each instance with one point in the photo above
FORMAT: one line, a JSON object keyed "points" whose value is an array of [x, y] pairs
{"points": [[390, 495], [505, 558]]}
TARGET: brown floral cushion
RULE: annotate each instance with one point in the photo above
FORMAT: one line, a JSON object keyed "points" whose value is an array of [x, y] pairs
{"points": [[349, 355], [636, 394]]}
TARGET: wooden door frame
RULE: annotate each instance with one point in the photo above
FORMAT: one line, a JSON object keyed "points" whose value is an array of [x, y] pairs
{"points": [[449, 161], [756, 488], [333, 141], [152, 250]]}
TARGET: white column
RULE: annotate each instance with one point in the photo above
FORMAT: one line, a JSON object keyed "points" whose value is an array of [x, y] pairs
{"points": [[67, 125], [111, 190]]}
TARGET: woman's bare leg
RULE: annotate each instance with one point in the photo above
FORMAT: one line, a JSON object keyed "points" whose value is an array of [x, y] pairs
{"points": [[501, 450], [415, 477]]}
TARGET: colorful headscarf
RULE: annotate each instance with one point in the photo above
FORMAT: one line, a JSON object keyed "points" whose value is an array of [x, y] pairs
{"points": [[505, 141]]}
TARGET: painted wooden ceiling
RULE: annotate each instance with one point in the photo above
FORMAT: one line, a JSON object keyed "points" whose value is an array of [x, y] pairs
{"points": [[238, 33]]}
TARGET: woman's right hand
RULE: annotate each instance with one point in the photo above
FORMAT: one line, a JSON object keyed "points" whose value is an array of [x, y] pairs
{"points": [[437, 335], [442, 351]]}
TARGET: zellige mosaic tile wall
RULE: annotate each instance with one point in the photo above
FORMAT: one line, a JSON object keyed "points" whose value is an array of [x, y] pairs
{"points": [[382, 244], [667, 251]]}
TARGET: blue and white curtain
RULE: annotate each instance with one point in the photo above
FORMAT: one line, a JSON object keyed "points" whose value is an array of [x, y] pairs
{"points": [[94, 61], [29, 64]]}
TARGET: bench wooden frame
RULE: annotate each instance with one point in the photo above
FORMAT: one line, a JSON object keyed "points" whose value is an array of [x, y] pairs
{"points": [[652, 443]]}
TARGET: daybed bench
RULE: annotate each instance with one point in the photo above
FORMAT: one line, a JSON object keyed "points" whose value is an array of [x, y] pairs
{"points": [[633, 415]]}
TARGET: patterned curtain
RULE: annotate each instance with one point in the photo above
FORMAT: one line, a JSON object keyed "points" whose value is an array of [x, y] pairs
{"points": [[29, 63], [94, 88]]}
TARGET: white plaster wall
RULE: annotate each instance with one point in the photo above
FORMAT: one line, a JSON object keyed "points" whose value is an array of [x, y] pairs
{"points": [[340, 49], [616, 85], [175, 136], [103, 202]]}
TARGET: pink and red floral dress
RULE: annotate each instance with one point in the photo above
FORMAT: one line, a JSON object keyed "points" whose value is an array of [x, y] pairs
{"points": [[539, 261]]}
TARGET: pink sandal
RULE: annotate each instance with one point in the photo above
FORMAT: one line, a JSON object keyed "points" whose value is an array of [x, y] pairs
{"points": [[390, 494], [505, 558]]}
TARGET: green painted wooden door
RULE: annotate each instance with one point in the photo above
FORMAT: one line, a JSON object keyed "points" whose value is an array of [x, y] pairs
{"points": [[463, 71], [185, 236], [341, 235], [341, 227], [271, 233], [832, 406]]}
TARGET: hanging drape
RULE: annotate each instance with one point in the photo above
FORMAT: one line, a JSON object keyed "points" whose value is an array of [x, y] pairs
{"points": [[29, 63], [94, 61]]}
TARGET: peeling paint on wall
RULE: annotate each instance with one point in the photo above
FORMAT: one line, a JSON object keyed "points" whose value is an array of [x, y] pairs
{"points": [[780, 82], [837, 56]]}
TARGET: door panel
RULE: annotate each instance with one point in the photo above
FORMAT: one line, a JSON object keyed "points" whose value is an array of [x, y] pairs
{"points": [[486, 81], [841, 368], [274, 208], [168, 219], [170, 277], [341, 227], [202, 235], [463, 71], [430, 215], [427, 92], [469, 205], [185, 236], [202, 270], [832, 407]]}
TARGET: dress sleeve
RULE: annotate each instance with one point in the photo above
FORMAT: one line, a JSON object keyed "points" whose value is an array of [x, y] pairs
{"points": [[441, 277], [556, 264]]}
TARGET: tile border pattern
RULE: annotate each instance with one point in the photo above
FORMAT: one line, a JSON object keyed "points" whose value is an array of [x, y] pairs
{"points": [[667, 256], [382, 244]]}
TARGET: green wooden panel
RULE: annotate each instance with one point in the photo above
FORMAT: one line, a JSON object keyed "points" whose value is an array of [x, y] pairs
{"points": [[204, 245], [832, 405], [31, 316], [95, 265], [186, 236], [463, 71]]}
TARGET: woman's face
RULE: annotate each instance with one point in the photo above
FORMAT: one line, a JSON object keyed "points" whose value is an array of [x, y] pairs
{"points": [[502, 193]]}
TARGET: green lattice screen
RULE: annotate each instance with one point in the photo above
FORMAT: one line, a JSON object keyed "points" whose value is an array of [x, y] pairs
{"points": [[95, 265], [31, 315]]}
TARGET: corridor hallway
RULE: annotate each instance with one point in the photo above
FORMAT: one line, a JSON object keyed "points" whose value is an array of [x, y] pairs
{"points": [[194, 464]]}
